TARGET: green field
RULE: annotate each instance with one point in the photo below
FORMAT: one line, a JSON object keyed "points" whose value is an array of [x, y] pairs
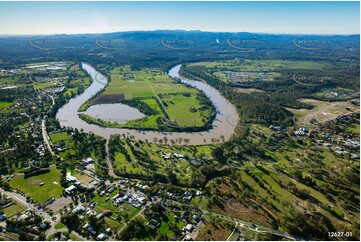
{"points": [[355, 129], [60, 225], [82, 177], [42, 86], [30, 186], [13, 210], [260, 65], [5, 104], [56, 137], [180, 167]]}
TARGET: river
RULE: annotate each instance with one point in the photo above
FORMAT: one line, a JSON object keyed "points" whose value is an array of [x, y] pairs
{"points": [[223, 125]]}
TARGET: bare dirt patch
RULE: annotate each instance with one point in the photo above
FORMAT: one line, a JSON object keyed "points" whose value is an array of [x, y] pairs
{"points": [[246, 90], [214, 232], [243, 209], [322, 111]]}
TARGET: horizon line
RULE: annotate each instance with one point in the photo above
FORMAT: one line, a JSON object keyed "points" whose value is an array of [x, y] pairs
{"points": [[191, 30]]}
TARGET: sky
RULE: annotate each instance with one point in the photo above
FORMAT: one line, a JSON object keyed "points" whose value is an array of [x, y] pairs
{"points": [[104, 17]]}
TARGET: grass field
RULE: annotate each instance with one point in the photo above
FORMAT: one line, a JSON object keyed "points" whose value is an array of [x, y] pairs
{"points": [[179, 109], [355, 129], [42, 86], [5, 104], [56, 137], [146, 83], [260, 65], [82, 178], [30, 186], [13, 210]]}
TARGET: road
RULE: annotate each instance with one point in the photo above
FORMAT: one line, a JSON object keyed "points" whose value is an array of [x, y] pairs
{"points": [[110, 165], [257, 228], [126, 225], [45, 136], [22, 200]]}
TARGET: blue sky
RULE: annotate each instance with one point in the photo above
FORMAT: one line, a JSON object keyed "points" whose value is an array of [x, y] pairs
{"points": [[100, 17]]}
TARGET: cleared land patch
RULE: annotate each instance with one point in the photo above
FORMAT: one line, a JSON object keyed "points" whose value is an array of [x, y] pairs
{"points": [[322, 111]]}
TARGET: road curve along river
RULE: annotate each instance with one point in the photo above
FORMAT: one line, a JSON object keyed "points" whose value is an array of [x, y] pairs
{"points": [[223, 125]]}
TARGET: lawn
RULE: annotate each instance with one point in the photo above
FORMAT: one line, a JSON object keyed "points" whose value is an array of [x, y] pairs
{"points": [[74, 237], [355, 129], [164, 226], [60, 225], [42, 86], [83, 178], [5, 104], [56, 137], [30, 186], [13, 210]]}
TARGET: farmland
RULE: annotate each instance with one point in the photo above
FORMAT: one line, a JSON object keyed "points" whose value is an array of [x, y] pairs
{"points": [[168, 104]]}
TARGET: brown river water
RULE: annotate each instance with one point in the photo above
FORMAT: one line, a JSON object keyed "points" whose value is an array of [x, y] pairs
{"points": [[223, 125]]}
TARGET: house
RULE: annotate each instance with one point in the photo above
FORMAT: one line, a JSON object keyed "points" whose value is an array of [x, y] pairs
{"points": [[70, 190], [141, 200], [167, 156], [115, 197], [187, 198], [153, 224], [184, 214], [188, 228], [102, 236], [79, 209], [176, 155], [43, 226], [187, 238], [111, 190], [71, 179], [87, 161]]}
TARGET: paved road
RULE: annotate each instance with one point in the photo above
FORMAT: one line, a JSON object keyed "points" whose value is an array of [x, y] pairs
{"points": [[256, 228], [45, 136], [126, 225]]}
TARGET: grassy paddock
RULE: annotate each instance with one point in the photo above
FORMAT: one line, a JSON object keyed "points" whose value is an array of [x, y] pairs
{"points": [[13, 210], [30, 186]]}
